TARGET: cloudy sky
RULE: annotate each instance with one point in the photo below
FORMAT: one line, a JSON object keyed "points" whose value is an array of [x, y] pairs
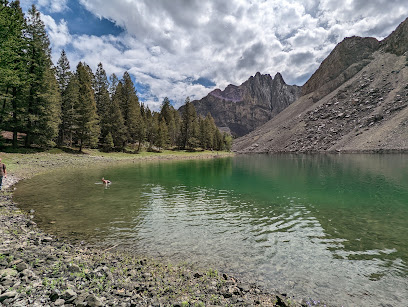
{"points": [[180, 48]]}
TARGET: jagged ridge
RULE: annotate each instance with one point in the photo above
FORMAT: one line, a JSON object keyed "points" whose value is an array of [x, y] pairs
{"points": [[243, 108], [365, 112]]}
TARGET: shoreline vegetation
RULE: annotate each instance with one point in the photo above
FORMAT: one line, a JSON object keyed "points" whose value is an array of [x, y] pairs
{"points": [[37, 269]]}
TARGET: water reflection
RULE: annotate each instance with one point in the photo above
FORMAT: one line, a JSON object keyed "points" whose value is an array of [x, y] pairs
{"points": [[330, 227]]}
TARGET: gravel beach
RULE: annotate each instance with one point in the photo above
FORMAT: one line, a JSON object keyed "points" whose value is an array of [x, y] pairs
{"points": [[37, 269]]}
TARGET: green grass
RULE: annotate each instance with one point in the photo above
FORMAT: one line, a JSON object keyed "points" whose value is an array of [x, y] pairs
{"points": [[26, 163]]}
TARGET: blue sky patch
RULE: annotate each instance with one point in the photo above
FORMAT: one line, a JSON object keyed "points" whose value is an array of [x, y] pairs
{"points": [[81, 21], [204, 82]]}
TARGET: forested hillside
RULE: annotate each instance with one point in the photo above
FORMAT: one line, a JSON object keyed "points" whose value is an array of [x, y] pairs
{"points": [[45, 105]]}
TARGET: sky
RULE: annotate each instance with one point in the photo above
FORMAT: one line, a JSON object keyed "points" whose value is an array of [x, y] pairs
{"points": [[180, 48]]}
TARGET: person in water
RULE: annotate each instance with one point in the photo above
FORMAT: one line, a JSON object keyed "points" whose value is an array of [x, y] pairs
{"points": [[106, 181], [3, 173]]}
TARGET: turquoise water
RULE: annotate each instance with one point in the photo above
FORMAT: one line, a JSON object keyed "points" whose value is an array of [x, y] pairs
{"points": [[328, 228]]}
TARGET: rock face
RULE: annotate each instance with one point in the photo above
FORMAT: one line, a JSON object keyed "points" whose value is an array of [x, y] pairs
{"points": [[243, 108], [348, 58], [356, 101]]}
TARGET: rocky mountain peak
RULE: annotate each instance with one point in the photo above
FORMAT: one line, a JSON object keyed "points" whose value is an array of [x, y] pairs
{"points": [[278, 78], [397, 41], [357, 101], [240, 109], [346, 59]]}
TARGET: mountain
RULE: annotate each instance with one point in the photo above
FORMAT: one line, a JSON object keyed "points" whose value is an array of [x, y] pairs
{"points": [[240, 109], [355, 102]]}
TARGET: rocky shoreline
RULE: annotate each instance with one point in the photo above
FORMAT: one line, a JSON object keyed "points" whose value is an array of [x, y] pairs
{"points": [[37, 269]]}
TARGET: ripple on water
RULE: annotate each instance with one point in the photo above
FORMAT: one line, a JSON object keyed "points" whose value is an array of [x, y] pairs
{"points": [[329, 228]]}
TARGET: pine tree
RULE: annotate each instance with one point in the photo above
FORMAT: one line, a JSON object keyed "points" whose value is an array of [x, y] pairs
{"points": [[64, 75], [188, 117], [86, 126], [218, 141], [162, 135], [44, 102], [210, 128], [172, 119], [130, 108], [13, 67], [68, 115], [63, 72], [165, 110], [114, 123], [227, 140], [175, 128], [113, 80], [103, 101], [108, 143], [151, 127]]}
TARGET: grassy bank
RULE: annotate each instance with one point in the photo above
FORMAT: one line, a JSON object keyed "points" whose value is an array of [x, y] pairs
{"points": [[37, 269], [26, 165]]}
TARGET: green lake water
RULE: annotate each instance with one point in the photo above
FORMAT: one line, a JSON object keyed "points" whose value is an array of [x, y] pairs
{"points": [[330, 228]]}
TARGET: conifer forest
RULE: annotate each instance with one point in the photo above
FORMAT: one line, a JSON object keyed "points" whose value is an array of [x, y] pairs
{"points": [[45, 105]]}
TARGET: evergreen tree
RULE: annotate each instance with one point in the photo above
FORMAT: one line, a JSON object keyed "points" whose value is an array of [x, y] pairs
{"points": [[172, 118], [113, 80], [108, 143], [13, 67], [44, 102], [218, 141], [151, 122], [227, 140], [130, 108], [165, 111], [189, 117], [210, 128], [63, 72], [172, 131], [68, 115], [64, 75], [194, 139], [103, 101], [86, 126], [114, 123], [175, 128], [162, 137]]}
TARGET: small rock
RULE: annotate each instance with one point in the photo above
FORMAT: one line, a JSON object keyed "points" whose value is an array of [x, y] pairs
{"points": [[55, 294], [47, 239], [28, 273], [244, 287], [21, 266], [198, 275], [73, 268], [7, 295], [234, 290], [279, 302], [7, 281], [69, 295], [8, 272], [59, 302], [15, 262], [94, 301], [147, 275], [80, 301], [31, 223]]}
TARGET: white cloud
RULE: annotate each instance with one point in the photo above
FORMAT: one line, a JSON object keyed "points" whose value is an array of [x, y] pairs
{"points": [[168, 43], [58, 33], [51, 6]]}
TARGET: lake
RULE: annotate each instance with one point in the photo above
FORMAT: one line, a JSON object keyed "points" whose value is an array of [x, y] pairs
{"points": [[330, 228]]}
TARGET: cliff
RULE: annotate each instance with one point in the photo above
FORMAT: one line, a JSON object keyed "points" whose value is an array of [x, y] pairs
{"points": [[356, 101], [241, 109]]}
